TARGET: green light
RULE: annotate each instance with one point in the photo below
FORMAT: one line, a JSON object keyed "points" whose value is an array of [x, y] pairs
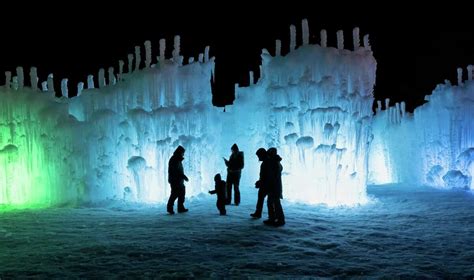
{"points": [[33, 170]]}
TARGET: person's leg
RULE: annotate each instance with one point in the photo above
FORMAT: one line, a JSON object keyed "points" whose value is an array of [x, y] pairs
{"points": [[260, 201], [173, 196], [279, 215], [271, 209], [221, 207], [181, 197], [236, 182], [228, 185]]}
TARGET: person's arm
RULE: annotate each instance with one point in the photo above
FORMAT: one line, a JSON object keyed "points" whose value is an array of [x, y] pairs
{"points": [[213, 192], [258, 184]]}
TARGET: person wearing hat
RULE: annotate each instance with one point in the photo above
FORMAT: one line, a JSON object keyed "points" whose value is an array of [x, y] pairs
{"points": [[176, 179], [235, 164]]}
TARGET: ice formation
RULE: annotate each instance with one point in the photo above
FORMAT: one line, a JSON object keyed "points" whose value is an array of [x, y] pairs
{"points": [[113, 140], [315, 105], [433, 146], [37, 149]]}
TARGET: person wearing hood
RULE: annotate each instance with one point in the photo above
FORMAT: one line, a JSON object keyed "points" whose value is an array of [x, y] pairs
{"points": [[176, 180], [219, 189], [262, 183], [276, 216], [234, 164]]}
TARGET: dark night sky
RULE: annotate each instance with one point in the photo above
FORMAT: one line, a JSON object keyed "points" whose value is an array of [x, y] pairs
{"points": [[415, 49]]}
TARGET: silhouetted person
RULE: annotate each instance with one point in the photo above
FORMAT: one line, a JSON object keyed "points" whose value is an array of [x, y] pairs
{"points": [[176, 179], [235, 164], [261, 184], [220, 190], [276, 216]]}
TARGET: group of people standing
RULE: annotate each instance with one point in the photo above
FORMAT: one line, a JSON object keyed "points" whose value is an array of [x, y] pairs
{"points": [[269, 183]]}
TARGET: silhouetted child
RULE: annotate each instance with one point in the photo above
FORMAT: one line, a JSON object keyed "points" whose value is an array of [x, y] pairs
{"points": [[220, 189]]}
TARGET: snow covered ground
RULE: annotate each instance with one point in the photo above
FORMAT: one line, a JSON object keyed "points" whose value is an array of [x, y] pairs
{"points": [[405, 232]]}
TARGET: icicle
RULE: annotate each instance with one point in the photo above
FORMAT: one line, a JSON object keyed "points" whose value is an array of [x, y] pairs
{"points": [[324, 38], [251, 78], [387, 112], [201, 58], [277, 48], [50, 83], [366, 42], [8, 79], [190, 60], [292, 37], [403, 107], [15, 82], [121, 64], [64, 90], [391, 115], [147, 54], [459, 76], [397, 112], [305, 31], [394, 115], [101, 78], [21, 77], [34, 78], [130, 63], [44, 86], [90, 82], [469, 72], [340, 40], [162, 50], [356, 38], [176, 48], [80, 87], [206, 54], [138, 58], [379, 106], [112, 80]]}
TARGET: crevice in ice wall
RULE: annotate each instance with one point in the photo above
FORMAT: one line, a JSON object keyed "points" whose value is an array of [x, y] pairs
{"points": [[432, 146]]}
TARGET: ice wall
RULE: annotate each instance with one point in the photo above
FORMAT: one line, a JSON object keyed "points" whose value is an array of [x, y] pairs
{"points": [[37, 150], [113, 140], [315, 106], [432, 146], [135, 125]]}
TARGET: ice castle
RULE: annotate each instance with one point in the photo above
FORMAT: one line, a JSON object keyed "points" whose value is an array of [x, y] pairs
{"points": [[113, 139]]}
